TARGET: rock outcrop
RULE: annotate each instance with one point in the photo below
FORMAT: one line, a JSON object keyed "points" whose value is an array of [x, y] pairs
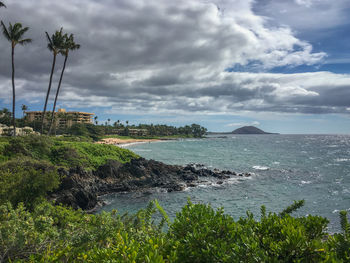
{"points": [[81, 188]]}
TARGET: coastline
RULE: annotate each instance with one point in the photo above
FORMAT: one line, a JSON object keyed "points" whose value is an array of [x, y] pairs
{"points": [[125, 142]]}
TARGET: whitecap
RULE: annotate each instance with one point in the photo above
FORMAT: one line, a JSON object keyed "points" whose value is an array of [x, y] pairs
{"points": [[261, 168], [342, 160], [276, 162], [305, 182]]}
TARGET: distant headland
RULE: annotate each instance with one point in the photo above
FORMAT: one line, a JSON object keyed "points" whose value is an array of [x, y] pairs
{"points": [[250, 130], [244, 130]]}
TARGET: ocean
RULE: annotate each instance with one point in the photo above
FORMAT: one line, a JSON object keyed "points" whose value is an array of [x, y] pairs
{"points": [[285, 168]]}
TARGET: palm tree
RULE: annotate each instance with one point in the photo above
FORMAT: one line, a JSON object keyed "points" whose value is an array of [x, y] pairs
{"points": [[14, 34], [24, 108], [67, 45], [54, 45], [2, 4]]}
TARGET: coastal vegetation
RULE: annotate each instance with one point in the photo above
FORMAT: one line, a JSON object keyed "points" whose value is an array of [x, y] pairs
{"points": [[96, 132], [33, 229], [14, 34], [198, 233], [63, 152]]}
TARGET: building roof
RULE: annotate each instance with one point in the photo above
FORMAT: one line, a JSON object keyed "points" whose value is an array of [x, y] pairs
{"points": [[66, 112]]}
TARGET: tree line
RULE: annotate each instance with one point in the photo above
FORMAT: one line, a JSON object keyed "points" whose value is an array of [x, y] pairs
{"points": [[58, 43]]}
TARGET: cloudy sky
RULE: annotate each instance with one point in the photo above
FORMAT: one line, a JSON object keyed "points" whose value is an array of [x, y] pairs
{"points": [[282, 65]]}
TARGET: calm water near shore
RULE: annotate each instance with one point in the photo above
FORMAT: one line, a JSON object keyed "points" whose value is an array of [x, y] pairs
{"points": [[286, 168]]}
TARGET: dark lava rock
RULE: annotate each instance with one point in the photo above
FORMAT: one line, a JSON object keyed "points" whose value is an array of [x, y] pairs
{"points": [[80, 188]]}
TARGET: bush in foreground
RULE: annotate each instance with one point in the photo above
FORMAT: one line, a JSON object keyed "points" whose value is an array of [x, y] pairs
{"points": [[198, 234], [26, 180]]}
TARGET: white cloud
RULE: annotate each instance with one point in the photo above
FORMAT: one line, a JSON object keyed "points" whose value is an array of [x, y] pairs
{"points": [[306, 3], [238, 124], [305, 15], [169, 57]]}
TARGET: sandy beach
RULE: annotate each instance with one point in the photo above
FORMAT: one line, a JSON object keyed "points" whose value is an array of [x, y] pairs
{"points": [[116, 141]]}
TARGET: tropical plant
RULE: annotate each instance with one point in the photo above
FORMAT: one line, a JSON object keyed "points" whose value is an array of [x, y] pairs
{"points": [[55, 43], [24, 108], [26, 180], [14, 34], [67, 45]]}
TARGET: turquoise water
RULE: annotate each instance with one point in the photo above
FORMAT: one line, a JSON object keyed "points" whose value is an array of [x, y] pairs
{"points": [[286, 168]]}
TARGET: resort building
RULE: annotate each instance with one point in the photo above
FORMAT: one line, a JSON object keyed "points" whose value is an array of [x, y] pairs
{"points": [[8, 131], [63, 118]]}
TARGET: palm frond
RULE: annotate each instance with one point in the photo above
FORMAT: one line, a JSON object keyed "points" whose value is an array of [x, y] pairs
{"points": [[25, 41], [14, 33], [5, 32], [50, 44], [23, 30], [2, 4]]}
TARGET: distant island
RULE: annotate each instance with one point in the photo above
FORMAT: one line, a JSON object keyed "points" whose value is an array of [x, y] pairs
{"points": [[250, 130]]}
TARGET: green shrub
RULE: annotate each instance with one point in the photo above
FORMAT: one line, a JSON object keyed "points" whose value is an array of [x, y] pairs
{"points": [[205, 235], [58, 234], [26, 180], [339, 243], [86, 130], [198, 234], [63, 151], [95, 155], [35, 146]]}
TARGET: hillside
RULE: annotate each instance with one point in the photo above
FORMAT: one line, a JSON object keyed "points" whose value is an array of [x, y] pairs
{"points": [[249, 130]]}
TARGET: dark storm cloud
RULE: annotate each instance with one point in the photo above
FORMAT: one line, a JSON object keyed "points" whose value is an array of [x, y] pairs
{"points": [[165, 56]]}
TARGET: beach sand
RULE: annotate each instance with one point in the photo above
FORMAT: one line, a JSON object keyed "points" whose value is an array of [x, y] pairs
{"points": [[116, 141]]}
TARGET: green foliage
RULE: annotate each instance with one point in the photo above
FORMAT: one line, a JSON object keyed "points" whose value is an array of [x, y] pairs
{"points": [[34, 146], [26, 180], [91, 155], [198, 234], [155, 131], [339, 243], [292, 208], [63, 151], [205, 235], [58, 234]]}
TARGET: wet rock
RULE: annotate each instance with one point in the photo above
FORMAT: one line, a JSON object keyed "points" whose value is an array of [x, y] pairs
{"points": [[80, 188]]}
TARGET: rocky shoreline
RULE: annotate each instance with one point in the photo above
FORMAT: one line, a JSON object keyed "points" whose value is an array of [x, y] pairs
{"points": [[81, 188]]}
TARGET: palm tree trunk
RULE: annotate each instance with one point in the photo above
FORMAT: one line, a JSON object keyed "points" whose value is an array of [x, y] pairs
{"points": [[57, 92], [13, 90], [48, 93]]}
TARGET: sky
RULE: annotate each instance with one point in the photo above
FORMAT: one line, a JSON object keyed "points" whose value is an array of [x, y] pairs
{"points": [[280, 65]]}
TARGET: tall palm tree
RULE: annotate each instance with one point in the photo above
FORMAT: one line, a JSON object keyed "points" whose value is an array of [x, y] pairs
{"points": [[67, 45], [55, 43], [14, 34]]}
